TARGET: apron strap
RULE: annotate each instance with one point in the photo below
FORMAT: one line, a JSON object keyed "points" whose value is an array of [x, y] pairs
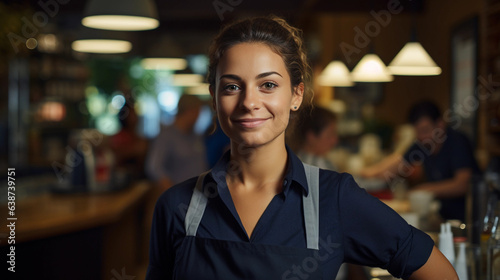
{"points": [[311, 207], [196, 207]]}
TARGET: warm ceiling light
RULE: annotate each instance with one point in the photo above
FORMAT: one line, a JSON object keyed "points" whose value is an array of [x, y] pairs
{"points": [[186, 80], [101, 46], [131, 15], [335, 74], [164, 63], [200, 89], [413, 60], [371, 69]]}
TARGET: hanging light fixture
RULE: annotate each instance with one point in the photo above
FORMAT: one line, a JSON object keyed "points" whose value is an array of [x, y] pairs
{"points": [[163, 63], [335, 74], [413, 60], [200, 89], [101, 46], [101, 41], [129, 15], [371, 69], [186, 80]]}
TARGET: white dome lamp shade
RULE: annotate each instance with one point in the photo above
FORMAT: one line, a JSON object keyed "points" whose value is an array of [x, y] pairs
{"points": [[413, 60], [336, 74], [125, 15], [371, 69]]}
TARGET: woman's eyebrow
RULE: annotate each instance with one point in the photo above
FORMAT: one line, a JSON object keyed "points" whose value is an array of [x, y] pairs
{"points": [[238, 78], [230, 76], [265, 74]]}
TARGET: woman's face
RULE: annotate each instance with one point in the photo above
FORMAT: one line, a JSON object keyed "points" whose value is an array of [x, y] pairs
{"points": [[253, 94]]}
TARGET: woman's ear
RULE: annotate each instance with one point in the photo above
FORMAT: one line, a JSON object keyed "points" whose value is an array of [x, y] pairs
{"points": [[297, 96]]}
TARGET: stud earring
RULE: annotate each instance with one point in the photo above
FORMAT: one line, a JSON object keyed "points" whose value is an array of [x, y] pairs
{"points": [[295, 107]]}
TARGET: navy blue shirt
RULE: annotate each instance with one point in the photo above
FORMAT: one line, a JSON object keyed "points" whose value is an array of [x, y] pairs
{"points": [[354, 226], [455, 153]]}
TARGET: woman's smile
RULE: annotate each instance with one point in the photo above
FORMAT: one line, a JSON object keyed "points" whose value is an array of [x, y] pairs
{"points": [[251, 122]]}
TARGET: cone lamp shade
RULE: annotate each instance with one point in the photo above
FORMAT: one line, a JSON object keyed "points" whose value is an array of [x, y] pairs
{"points": [[125, 15], [371, 69], [413, 60], [335, 74]]}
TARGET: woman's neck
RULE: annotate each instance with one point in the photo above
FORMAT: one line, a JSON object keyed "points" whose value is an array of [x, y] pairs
{"points": [[256, 167]]}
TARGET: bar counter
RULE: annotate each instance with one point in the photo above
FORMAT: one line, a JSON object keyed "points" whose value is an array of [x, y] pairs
{"points": [[55, 214], [85, 235]]}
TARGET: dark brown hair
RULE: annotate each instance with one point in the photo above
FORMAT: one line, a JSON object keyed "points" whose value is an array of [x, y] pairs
{"points": [[276, 33], [313, 119], [424, 109]]}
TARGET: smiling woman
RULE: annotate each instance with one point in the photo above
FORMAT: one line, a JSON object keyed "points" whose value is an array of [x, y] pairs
{"points": [[261, 213], [253, 95]]}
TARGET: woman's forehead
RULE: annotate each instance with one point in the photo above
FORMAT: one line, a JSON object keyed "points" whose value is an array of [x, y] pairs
{"points": [[250, 58]]}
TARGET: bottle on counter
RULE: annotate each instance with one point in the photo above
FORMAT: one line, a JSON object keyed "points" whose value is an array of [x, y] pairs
{"points": [[461, 264], [490, 233], [446, 242], [493, 255], [487, 228]]}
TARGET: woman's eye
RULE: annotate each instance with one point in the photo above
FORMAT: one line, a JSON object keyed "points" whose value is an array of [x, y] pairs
{"points": [[231, 88], [269, 85]]}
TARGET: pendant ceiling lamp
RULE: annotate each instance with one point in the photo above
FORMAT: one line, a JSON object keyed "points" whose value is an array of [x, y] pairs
{"points": [[187, 80], [125, 15], [101, 41], [413, 60], [336, 74], [164, 63], [371, 69], [101, 46]]}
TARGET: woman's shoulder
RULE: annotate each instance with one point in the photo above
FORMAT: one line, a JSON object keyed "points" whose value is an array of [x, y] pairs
{"points": [[336, 182], [178, 194], [331, 176]]}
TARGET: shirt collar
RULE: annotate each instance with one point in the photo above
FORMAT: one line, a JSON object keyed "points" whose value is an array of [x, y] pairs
{"points": [[294, 173]]}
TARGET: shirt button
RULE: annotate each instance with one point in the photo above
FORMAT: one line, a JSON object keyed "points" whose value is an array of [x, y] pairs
{"points": [[285, 182]]}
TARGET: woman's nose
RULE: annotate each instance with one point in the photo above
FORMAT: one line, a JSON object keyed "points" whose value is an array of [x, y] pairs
{"points": [[250, 99]]}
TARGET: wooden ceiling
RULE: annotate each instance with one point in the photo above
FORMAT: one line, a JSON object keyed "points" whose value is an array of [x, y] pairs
{"points": [[190, 24]]}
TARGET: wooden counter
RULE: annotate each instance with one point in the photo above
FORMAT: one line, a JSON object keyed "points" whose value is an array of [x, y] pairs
{"points": [[55, 214], [84, 236]]}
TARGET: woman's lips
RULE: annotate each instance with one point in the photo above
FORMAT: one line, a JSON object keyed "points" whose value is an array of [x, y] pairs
{"points": [[250, 123]]}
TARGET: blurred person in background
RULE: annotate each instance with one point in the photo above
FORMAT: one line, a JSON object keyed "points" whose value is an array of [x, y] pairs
{"points": [[315, 136], [178, 153], [216, 143], [128, 147], [446, 155]]}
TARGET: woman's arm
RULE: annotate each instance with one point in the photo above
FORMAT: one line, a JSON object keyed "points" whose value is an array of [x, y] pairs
{"points": [[389, 164], [437, 267]]}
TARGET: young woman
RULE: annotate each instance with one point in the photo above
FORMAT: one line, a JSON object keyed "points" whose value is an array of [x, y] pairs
{"points": [[260, 213]]}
